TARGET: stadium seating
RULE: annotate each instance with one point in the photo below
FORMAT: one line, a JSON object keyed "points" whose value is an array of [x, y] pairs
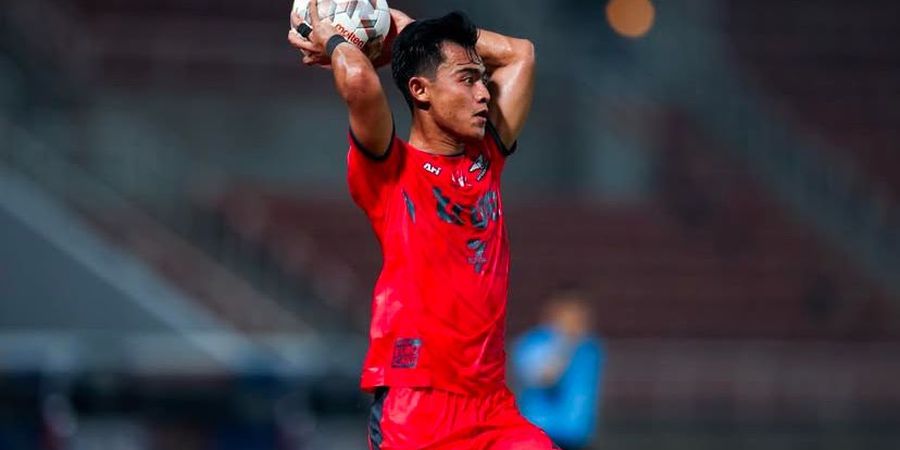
{"points": [[832, 69], [229, 298]]}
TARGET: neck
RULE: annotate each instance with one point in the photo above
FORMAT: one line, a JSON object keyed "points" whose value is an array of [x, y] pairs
{"points": [[427, 136]]}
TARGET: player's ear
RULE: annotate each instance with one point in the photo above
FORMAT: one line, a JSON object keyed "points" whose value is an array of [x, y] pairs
{"points": [[419, 89]]}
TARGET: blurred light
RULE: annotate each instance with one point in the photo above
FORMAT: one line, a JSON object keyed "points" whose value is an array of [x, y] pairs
{"points": [[630, 18]]}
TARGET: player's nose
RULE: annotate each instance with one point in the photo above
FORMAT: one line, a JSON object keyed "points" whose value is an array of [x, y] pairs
{"points": [[482, 94]]}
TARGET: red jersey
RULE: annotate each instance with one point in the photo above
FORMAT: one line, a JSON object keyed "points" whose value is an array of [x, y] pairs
{"points": [[439, 305]]}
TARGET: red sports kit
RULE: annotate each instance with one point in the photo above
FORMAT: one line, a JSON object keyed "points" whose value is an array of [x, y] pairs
{"points": [[436, 352]]}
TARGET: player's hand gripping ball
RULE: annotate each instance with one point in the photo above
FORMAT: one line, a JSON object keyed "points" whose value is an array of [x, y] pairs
{"points": [[363, 23]]}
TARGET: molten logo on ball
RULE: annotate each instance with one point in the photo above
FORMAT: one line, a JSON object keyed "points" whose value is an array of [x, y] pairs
{"points": [[349, 36]]}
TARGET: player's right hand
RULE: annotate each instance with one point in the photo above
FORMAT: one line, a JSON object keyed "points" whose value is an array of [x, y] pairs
{"points": [[313, 46]]}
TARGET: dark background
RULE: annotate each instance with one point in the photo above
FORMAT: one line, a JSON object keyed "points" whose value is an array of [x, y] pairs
{"points": [[181, 265]]}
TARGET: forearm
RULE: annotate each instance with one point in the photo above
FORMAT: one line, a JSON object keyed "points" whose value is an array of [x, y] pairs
{"points": [[354, 75], [499, 51], [510, 62]]}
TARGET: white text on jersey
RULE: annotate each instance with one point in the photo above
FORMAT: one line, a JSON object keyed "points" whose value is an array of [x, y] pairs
{"points": [[433, 169]]}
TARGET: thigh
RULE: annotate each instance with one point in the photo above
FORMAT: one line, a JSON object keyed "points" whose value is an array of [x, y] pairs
{"points": [[509, 430], [524, 437], [420, 418]]}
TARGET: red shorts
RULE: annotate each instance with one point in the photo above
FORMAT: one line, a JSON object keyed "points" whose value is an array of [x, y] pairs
{"points": [[405, 418]]}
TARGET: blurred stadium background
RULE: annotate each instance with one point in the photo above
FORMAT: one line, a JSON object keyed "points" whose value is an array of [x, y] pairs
{"points": [[181, 266]]}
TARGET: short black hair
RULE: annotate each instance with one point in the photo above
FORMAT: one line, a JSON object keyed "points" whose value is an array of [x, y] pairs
{"points": [[417, 49]]}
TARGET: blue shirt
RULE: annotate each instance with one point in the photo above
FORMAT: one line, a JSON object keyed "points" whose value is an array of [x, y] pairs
{"points": [[567, 410]]}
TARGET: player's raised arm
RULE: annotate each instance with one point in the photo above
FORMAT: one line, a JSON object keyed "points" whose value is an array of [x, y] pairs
{"points": [[354, 77], [510, 65]]}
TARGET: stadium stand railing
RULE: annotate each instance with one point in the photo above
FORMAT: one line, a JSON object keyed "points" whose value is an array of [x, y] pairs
{"points": [[130, 227]]}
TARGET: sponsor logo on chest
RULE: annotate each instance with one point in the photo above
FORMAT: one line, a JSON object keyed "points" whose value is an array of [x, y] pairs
{"points": [[431, 168]]}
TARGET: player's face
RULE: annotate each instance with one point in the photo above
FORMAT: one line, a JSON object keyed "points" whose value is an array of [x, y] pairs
{"points": [[459, 94]]}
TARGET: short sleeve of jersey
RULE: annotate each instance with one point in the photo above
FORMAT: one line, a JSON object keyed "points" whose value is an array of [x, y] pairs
{"points": [[370, 178], [494, 137], [498, 152]]}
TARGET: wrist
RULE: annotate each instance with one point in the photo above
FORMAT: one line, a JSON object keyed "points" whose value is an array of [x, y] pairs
{"points": [[333, 42]]}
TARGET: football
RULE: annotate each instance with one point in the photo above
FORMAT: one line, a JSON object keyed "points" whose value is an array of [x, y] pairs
{"points": [[364, 23]]}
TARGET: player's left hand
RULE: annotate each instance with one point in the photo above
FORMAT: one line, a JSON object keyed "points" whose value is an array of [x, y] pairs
{"points": [[399, 21], [312, 46]]}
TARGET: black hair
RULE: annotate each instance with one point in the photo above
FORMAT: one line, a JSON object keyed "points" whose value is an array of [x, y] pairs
{"points": [[417, 49]]}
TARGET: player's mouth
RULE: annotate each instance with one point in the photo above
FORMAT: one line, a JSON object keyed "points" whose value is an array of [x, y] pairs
{"points": [[483, 115]]}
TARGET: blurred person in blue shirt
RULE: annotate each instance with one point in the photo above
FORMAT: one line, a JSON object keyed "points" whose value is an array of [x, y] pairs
{"points": [[558, 367]]}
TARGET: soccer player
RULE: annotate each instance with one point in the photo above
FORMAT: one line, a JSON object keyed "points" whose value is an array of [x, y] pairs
{"points": [[436, 360]]}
